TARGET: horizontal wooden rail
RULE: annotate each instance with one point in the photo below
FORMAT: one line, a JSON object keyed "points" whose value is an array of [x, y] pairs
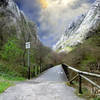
{"points": [[81, 74], [90, 81]]}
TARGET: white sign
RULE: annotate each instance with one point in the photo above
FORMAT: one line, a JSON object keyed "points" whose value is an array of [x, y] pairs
{"points": [[27, 45]]}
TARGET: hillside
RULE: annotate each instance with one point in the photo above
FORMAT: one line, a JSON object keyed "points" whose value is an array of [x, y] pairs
{"points": [[15, 31], [13, 22], [81, 41], [80, 29]]}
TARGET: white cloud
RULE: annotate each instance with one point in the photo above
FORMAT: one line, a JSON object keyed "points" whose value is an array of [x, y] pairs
{"points": [[55, 16], [58, 14]]}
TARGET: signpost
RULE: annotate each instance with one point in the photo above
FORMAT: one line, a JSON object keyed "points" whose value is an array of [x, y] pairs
{"points": [[28, 47]]}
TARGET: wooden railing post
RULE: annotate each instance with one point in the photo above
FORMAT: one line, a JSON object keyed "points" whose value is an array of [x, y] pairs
{"points": [[66, 71], [80, 84]]}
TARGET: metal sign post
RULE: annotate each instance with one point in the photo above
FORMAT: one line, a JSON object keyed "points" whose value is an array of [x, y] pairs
{"points": [[28, 47]]}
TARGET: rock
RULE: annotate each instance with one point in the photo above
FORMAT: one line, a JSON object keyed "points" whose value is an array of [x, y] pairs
{"points": [[13, 22], [82, 28]]}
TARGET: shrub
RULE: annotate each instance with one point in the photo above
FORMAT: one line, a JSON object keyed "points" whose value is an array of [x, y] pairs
{"points": [[12, 70], [11, 50]]}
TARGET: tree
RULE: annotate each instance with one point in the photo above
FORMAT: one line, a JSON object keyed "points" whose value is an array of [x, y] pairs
{"points": [[11, 50]]}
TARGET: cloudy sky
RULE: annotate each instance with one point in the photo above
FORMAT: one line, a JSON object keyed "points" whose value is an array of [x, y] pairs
{"points": [[53, 16]]}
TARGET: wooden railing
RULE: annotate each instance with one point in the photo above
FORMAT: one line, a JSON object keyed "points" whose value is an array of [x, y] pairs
{"points": [[80, 75]]}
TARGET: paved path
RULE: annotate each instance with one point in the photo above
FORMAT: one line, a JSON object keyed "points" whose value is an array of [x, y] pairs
{"points": [[49, 86]]}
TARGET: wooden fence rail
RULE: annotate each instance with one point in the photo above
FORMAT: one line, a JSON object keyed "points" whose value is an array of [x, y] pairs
{"points": [[80, 75]]}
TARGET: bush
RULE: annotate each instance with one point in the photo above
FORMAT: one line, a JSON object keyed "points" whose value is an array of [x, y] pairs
{"points": [[12, 70], [11, 50]]}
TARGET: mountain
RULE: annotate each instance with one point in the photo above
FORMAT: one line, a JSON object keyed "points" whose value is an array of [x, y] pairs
{"points": [[13, 23], [15, 30], [80, 29]]}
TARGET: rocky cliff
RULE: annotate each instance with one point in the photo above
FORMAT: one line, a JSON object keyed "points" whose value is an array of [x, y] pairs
{"points": [[13, 23], [80, 29]]}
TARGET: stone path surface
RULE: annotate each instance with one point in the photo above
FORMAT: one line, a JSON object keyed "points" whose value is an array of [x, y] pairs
{"points": [[48, 86]]}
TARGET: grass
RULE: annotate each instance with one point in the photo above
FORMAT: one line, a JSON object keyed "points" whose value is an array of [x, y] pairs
{"points": [[87, 60], [69, 49], [97, 98], [4, 85], [85, 92], [11, 78], [6, 81], [9, 74]]}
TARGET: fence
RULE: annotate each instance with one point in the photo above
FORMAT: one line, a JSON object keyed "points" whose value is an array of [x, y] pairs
{"points": [[80, 75]]}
